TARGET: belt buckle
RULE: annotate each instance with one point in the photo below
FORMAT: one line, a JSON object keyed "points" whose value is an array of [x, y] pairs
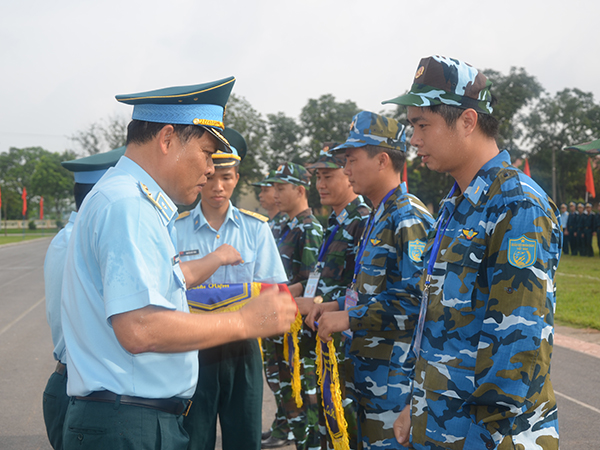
{"points": [[187, 408]]}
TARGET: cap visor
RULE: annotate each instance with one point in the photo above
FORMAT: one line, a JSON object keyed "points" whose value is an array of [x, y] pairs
{"points": [[223, 143], [411, 100]]}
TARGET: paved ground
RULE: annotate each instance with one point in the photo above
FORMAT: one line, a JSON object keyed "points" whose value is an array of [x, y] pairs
{"points": [[26, 362]]}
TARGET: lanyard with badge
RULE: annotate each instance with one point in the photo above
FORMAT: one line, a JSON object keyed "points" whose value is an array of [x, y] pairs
{"points": [[315, 275], [437, 242], [351, 299]]}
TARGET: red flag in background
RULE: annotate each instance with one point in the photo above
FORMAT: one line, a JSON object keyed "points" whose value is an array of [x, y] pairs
{"points": [[526, 168], [589, 180], [24, 197], [405, 175], [41, 208]]}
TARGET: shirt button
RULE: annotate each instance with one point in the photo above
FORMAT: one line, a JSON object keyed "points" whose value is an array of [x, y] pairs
{"points": [[489, 445], [218, 236]]}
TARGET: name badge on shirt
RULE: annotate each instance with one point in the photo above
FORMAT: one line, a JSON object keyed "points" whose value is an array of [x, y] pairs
{"points": [[313, 282], [176, 260], [189, 253], [350, 301]]}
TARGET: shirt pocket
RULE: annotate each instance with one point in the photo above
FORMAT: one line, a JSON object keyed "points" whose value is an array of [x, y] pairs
{"points": [[242, 273], [462, 269]]}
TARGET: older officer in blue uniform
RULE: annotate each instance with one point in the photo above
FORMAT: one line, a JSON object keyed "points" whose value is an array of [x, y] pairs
{"points": [[87, 172], [230, 383], [130, 338]]}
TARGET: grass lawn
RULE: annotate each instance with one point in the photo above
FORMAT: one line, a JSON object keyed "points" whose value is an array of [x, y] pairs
{"points": [[578, 291], [17, 235]]}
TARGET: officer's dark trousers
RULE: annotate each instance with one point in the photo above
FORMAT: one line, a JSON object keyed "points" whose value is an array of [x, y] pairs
{"points": [[566, 241], [55, 402], [230, 385], [93, 425]]}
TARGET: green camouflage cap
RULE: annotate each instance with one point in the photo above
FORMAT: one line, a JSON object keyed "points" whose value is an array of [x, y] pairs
{"points": [[327, 159], [368, 128], [264, 181], [440, 80], [290, 173]]}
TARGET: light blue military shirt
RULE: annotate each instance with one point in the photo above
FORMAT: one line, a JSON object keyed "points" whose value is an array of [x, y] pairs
{"points": [[122, 257], [54, 266], [249, 235]]}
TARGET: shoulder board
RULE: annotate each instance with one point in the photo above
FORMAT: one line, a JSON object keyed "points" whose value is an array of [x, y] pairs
{"points": [[254, 214], [183, 215]]}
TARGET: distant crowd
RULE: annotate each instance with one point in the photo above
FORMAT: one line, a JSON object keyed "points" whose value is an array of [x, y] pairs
{"points": [[580, 223]]}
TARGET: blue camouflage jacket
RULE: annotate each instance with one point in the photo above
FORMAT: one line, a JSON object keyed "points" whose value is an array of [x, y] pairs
{"points": [[483, 376]]}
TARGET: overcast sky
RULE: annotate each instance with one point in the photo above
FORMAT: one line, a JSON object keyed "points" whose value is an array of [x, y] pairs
{"points": [[64, 61]]}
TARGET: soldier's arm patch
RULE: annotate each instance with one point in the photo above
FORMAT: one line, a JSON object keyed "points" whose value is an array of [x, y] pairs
{"points": [[254, 214], [522, 252], [415, 250]]}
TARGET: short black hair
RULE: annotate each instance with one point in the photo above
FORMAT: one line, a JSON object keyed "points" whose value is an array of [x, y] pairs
{"points": [[397, 157], [80, 190], [488, 124], [140, 132]]}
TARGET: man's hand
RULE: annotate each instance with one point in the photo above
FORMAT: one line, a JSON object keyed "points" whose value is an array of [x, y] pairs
{"points": [[305, 304], [402, 426], [317, 311], [330, 322], [228, 255], [271, 313]]}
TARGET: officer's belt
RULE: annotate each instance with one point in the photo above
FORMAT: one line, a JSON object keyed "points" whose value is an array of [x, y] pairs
{"points": [[173, 405], [61, 368]]}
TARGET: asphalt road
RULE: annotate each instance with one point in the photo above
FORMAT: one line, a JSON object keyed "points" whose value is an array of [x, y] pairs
{"points": [[26, 363]]}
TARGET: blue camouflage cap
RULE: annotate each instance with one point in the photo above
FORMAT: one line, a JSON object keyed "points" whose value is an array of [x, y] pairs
{"points": [[292, 173], [89, 170], [200, 104], [238, 146], [328, 159], [368, 128], [440, 80]]}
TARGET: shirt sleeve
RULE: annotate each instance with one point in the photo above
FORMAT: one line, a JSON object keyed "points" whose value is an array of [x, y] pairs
{"points": [[515, 342], [135, 254]]}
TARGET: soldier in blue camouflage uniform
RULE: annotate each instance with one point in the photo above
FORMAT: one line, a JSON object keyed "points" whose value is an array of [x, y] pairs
{"points": [[299, 240], [484, 339], [336, 264], [386, 287]]}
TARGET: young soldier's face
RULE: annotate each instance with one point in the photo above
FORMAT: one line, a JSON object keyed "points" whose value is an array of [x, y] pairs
{"points": [[266, 197], [333, 186], [361, 170], [287, 196], [219, 187], [436, 142]]}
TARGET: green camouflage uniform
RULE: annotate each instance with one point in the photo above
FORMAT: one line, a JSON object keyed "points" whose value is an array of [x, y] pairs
{"points": [[299, 240]]}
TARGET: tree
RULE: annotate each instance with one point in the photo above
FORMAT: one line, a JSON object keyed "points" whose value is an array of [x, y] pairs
{"points": [[53, 182], [36, 169], [102, 136], [569, 117], [514, 93], [284, 139], [325, 120]]}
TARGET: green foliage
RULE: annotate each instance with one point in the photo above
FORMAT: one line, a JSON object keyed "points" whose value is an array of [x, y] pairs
{"points": [[41, 173], [31, 225], [569, 117]]}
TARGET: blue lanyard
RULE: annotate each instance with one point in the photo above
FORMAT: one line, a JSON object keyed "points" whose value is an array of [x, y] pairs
{"points": [[283, 237], [325, 246], [438, 239], [367, 234]]}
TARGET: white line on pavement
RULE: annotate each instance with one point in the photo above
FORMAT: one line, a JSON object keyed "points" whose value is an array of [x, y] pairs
{"points": [[580, 403], [31, 308]]}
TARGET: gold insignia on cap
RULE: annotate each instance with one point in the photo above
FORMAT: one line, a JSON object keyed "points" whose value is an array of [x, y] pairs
{"points": [[208, 123], [420, 71]]}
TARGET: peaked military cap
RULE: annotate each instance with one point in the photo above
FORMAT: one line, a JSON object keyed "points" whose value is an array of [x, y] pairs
{"points": [[292, 173], [264, 181], [200, 104], [238, 146], [368, 128], [440, 80], [328, 159], [89, 170]]}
